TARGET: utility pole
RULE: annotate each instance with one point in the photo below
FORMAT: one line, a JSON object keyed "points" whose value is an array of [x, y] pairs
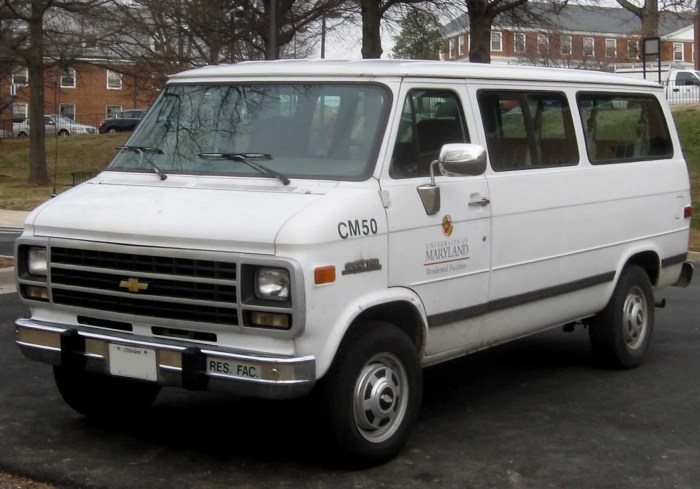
{"points": [[272, 41]]}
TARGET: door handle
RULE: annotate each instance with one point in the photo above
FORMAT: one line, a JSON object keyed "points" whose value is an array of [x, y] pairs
{"points": [[480, 203]]}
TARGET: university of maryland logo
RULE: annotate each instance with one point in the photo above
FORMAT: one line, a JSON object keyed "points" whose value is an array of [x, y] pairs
{"points": [[447, 226], [133, 285]]}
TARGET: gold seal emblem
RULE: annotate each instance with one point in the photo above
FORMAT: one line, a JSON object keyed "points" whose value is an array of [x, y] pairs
{"points": [[447, 226]]}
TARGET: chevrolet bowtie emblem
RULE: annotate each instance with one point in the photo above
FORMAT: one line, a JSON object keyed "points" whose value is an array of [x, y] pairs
{"points": [[133, 285]]}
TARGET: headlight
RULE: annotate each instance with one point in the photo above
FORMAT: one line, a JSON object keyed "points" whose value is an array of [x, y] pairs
{"points": [[37, 263], [272, 284]]}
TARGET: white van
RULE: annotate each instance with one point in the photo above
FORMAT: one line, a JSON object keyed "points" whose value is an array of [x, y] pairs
{"points": [[273, 228]]}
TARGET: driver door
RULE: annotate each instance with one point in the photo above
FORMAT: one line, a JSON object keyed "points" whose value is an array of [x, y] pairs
{"points": [[443, 257]]}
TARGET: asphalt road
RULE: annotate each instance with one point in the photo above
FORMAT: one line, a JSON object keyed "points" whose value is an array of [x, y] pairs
{"points": [[536, 413]]}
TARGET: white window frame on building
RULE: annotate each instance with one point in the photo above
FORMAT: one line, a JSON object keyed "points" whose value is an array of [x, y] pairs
{"points": [[451, 48], [496, 41], [461, 42], [519, 42], [589, 46], [20, 77], [610, 48], [20, 110], [113, 109], [633, 49], [678, 51], [68, 78], [542, 43], [67, 110], [568, 44], [114, 80]]}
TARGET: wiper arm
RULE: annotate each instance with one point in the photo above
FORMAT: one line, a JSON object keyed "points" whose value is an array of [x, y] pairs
{"points": [[246, 158], [143, 150]]}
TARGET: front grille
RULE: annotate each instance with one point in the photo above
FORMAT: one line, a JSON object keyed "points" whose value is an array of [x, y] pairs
{"points": [[157, 286], [127, 262]]}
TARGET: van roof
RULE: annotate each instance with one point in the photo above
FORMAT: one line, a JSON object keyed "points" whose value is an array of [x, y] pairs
{"points": [[399, 68]]}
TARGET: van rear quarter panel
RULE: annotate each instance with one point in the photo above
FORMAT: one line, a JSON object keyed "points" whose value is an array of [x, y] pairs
{"points": [[562, 235], [577, 228]]}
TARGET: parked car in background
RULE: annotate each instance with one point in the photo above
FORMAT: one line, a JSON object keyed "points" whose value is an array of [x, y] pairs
{"points": [[54, 125], [122, 121]]}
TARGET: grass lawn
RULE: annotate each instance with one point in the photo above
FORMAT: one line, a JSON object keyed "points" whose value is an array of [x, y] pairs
{"points": [[64, 155], [93, 152]]}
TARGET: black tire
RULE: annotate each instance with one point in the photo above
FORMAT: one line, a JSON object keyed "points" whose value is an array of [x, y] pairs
{"points": [[22, 135], [112, 130], [63, 132], [104, 397], [621, 333], [371, 396]]}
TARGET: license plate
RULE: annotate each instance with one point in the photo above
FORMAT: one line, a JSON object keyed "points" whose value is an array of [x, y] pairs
{"points": [[132, 361], [233, 369]]}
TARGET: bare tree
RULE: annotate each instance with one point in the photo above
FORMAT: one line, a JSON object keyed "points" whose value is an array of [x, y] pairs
{"points": [[174, 34], [42, 36], [649, 11], [482, 14]]}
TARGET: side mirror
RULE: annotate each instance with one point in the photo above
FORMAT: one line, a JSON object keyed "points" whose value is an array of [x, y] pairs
{"points": [[462, 159], [455, 159]]}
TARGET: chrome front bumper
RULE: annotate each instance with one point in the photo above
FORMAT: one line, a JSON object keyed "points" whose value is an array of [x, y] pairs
{"points": [[191, 366]]}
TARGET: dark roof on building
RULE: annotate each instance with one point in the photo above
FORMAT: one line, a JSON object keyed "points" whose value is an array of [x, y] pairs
{"points": [[580, 18]]}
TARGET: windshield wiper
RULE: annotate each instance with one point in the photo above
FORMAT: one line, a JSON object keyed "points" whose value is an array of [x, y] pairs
{"points": [[143, 150], [245, 158]]}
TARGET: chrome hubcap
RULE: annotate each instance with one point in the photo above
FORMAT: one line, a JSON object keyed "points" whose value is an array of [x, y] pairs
{"points": [[381, 397], [635, 318]]}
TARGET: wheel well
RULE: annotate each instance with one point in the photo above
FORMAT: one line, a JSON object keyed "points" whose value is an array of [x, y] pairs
{"points": [[649, 261], [401, 314]]}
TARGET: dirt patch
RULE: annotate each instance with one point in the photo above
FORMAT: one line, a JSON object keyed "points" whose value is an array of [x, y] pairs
{"points": [[8, 481], [6, 262]]}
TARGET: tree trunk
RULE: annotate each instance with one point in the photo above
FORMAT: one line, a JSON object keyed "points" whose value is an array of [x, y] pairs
{"points": [[371, 20], [647, 14], [650, 19], [480, 38], [38, 172]]}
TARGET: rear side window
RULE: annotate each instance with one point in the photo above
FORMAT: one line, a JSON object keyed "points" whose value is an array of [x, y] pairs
{"points": [[527, 130], [621, 127]]}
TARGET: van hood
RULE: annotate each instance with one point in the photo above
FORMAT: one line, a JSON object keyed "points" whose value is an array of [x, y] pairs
{"points": [[180, 212]]}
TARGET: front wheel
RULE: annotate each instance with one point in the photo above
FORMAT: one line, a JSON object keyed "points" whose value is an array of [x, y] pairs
{"points": [[103, 396], [372, 394], [621, 333]]}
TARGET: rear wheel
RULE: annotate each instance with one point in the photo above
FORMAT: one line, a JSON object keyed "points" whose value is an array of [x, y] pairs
{"points": [[372, 394], [102, 396], [63, 132], [621, 333]]}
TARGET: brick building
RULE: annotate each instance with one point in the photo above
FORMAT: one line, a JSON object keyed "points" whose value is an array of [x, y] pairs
{"points": [[575, 36], [87, 91]]}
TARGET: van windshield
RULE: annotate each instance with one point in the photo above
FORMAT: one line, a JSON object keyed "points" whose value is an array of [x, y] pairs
{"points": [[326, 131]]}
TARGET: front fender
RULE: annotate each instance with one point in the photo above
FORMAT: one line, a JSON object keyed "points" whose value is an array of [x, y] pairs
{"points": [[325, 342]]}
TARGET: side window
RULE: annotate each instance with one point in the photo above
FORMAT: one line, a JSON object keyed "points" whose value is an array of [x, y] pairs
{"points": [[527, 129], [623, 127], [684, 79], [430, 119]]}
